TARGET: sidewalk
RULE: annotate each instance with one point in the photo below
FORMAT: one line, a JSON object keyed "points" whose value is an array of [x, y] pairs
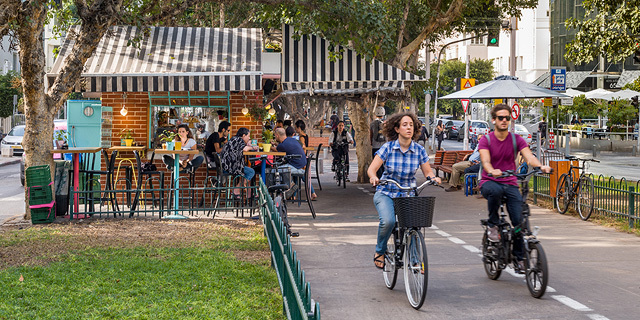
{"points": [[5, 161]]}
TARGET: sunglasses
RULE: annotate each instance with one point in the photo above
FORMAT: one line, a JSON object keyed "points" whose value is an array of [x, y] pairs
{"points": [[501, 118]]}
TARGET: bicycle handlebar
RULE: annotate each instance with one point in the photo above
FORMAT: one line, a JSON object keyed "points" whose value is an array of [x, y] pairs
{"points": [[416, 189], [583, 160], [519, 176]]}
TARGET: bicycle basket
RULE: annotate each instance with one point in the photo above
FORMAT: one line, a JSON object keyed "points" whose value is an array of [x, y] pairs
{"points": [[270, 176], [414, 211]]}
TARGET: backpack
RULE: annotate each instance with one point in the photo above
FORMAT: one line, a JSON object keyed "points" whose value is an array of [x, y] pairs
{"points": [[377, 131]]}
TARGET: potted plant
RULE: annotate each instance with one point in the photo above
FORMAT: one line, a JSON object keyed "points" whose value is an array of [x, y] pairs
{"points": [[267, 137], [61, 138], [168, 137], [258, 113], [127, 136]]}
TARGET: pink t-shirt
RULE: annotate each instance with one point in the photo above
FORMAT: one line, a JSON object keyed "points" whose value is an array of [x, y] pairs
{"points": [[502, 156]]}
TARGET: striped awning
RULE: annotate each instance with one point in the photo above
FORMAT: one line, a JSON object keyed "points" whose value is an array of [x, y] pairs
{"points": [[306, 67], [171, 59]]}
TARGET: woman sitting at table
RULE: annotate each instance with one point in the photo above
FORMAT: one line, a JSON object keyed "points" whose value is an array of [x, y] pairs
{"points": [[231, 155], [300, 130], [187, 162]]}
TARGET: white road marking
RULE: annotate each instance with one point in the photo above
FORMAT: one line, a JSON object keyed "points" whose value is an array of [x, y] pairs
{"points": [[471, 248], [594, 316], [13, 198], [571, 303], [456, 240], [550, 289], [442, 233]]}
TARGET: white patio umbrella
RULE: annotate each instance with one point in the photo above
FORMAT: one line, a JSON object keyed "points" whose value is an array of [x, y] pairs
{"points": [[504, 87], [621, 95], [573, 92], [596, 93]]}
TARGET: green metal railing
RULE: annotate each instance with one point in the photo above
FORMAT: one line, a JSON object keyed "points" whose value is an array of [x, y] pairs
{"points": [[296, 291]]}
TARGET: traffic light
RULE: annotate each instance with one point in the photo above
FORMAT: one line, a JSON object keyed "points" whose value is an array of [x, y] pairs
{"points": [[493, 38]]}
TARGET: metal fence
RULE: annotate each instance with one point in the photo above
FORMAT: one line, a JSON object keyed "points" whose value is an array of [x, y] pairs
{"points": [[296, 291]]}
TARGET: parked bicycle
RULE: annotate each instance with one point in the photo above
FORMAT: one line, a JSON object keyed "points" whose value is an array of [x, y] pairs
{"points": [[342, 167], [496, 256], [580, 190], [278, 189], [406, 248]]}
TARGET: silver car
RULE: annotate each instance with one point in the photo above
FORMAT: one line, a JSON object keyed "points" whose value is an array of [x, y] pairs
{"points": [[13, 140]]}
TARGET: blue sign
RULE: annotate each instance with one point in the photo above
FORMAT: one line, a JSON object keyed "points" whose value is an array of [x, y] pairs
{"points": [[559, 78]]}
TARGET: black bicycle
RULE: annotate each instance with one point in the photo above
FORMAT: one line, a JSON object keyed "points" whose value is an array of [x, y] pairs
{"points": [[406, 248], [571, 188], [278, 186], [496, 256], [341, 166]]}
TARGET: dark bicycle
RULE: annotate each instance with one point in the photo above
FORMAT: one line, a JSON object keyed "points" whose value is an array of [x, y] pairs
{"points": [[496, 256], [341, 166], [278, 187], [581, 190], [406, 248]]}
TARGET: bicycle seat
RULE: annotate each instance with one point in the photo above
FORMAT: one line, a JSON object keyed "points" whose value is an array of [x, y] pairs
{"points": [[278, 187], [571, 157]]}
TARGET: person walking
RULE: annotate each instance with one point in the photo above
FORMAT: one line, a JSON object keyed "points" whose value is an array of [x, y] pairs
{"points": [[376, 135], [440, 133]]}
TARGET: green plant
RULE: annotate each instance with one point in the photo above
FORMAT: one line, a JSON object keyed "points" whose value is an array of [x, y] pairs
{"points": [[126, 134], [61, 135], [267, 136], [167, 136], [258, 113], [275, 46]]}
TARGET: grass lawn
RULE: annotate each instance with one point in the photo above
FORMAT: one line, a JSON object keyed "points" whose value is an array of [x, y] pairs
{"points": [[138, 269]]}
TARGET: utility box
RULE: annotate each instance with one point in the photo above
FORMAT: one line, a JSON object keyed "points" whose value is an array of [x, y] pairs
{"points": [[559, 168], [7, 152]]}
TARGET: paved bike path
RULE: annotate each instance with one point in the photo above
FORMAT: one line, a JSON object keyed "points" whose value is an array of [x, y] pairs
{"points": [[336, 251]]}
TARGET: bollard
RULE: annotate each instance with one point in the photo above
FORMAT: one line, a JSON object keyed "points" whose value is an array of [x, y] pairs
{"points": [[567, 144], [324, 152], [321, 166], [634, 151], [595, 151]]}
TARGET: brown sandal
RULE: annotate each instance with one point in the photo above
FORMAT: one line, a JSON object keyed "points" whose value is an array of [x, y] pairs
{"points": [[376, 260]]}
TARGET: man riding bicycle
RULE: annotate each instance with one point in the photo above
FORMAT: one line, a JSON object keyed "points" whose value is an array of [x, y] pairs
{"points": [[497, 154], [401, 157], [339, 141]]}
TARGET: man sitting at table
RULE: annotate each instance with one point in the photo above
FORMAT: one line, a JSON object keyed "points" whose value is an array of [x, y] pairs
{"points": [[286, 143], [216, 140]]}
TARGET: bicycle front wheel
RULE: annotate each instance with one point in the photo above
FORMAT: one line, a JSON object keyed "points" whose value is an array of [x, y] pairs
{"points": [[344, 178], [537, 272], [563, 194], [585, 199], [390, 270], [416, 275]]}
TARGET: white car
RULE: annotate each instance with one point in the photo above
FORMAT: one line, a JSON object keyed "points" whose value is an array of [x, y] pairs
{"points": [[523, 132], [13, 140]]}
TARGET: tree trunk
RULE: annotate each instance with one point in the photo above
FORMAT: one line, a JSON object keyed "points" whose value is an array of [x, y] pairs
{"points": [[359, 113]]}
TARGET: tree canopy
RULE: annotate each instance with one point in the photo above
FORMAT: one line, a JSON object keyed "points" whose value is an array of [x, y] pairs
{"points": [[610, 28]]}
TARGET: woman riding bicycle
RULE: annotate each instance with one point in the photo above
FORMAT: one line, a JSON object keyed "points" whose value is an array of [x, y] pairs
{"points": [[339, 141], [401, 157]]}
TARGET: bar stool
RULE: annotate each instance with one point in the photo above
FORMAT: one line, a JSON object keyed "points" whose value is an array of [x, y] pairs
{"points": [[87, 168], [148, 177]]}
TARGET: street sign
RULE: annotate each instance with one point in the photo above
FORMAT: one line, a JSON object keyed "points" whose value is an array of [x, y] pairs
{"points": [[548, 102], [465, 104], [466, 83], [558, 78], [515, 111], [497, 101], [566, 101]]}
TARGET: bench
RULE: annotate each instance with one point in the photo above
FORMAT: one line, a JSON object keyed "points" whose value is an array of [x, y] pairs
{"points": [[449, 159], [437, 159]]}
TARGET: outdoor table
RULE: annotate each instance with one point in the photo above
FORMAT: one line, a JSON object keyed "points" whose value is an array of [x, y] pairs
{"points": [[75, 151], [176, 174], [263, 164]]}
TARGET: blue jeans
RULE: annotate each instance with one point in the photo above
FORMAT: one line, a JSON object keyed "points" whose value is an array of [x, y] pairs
{"points": [[493, 192], [248, 173], [297, 171], [384, 205]]}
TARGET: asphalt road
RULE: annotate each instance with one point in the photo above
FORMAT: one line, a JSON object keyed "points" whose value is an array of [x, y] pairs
{"points": [[11, 192]]}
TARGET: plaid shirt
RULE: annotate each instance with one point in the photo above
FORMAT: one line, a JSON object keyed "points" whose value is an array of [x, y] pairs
{"points": [[400, 166]]}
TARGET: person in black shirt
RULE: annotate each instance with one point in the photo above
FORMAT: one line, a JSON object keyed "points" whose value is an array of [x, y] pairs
{"points": [[217, 139]]}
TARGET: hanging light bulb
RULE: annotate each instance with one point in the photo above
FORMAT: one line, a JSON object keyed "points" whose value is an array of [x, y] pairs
{"points": [[268, 107], [272, 111], [123, 111], [245, 111]]}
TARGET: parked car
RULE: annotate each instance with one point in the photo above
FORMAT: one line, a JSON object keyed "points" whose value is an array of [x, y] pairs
{"points": [[59, 125], [524, 133], [477, 127], [13, 140], [451, 127]]}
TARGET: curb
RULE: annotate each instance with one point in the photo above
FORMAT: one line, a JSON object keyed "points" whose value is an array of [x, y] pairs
{"points": [[9, 162]]}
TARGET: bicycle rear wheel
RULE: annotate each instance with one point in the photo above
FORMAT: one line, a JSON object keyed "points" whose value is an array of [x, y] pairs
{"points": [[537, 272], [585, 199], [416, 275], [490, 259], [563, 194], [344, 176], [390, 270], [338, 175]]}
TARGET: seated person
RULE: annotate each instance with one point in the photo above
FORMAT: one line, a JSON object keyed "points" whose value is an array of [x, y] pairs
{"points": [[286, 143], [216, 140], [187, 161], [340, 135], [459, 167]]}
